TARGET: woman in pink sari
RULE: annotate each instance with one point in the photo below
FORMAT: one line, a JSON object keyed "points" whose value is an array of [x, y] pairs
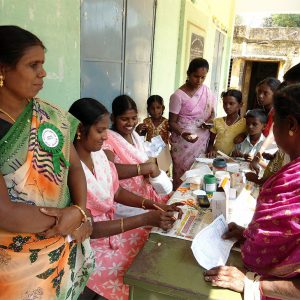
{"points": [[271, 252], [125, 148], [191, 108], [115, 242]]}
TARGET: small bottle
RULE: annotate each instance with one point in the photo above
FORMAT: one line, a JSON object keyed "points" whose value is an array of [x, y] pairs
{"points": [[219, 164], [209, 184], [203, 199]]}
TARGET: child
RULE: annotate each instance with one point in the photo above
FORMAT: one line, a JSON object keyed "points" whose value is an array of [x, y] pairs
{"points": [[156, 125], [256, 120], [225, 129]]}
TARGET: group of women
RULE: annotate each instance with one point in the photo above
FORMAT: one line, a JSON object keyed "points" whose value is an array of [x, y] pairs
{"points": [[55, 194]]}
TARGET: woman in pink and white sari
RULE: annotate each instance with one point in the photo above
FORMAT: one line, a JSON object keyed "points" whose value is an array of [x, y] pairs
{"points": [[271, 247], [125, 148], [191, 110], [115, 242]]}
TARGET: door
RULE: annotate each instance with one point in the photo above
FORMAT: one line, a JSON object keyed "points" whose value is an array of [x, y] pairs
{"points": [[116, 49]]}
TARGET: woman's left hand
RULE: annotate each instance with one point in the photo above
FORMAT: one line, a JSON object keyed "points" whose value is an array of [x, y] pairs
{"points": [[83, 232], [172, 207], [226, 277], [67, 220]]}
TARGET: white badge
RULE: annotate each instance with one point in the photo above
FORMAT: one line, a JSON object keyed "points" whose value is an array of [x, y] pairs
{"points": [[50, 138]]}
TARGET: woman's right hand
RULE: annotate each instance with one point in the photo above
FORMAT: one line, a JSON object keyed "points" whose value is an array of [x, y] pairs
{"points": [[189, 137], [151, 169], [161, 219], [234, 231]]}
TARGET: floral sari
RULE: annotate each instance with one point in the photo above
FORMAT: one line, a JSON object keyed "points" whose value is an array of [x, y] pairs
{"points": [[192, 112], [33, 267], [113, 254], [272, 246], [125, 153]]}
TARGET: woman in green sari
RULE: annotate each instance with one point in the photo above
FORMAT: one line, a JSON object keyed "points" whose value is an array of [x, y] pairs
{"points": [[42, 184]]}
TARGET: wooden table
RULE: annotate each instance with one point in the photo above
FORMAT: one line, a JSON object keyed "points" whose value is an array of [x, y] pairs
{"points": [[166, 269]]}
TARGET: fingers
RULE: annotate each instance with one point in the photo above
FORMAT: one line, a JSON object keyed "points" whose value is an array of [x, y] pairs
{"points": [[51, 211], [52, 232]]}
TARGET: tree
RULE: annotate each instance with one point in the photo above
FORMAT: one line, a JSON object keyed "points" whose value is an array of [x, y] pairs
{"points": [[282, 20]]}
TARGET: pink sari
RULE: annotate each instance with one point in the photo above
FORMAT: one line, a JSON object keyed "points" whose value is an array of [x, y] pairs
{"points": [[126, 153], [113, 254], [272, 246], [191, 111]]}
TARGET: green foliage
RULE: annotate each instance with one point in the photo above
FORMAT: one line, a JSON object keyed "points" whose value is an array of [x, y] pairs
{"points": [[282, 20]]}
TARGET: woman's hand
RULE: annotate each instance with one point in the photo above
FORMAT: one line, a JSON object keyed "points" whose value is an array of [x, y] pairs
{"points": [[161, 219], [67, 220], [189, 137], [141, 129], [172, 207], [226, 277], [250, 176], [211, 153], [83, 232], [234, 231], [268, 156]]}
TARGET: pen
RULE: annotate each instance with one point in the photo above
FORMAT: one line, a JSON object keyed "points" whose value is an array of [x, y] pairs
{"points": [[159, 208]]}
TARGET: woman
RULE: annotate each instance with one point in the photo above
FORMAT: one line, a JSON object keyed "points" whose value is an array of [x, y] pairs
{"points": [[191, 106], [113, 252], [38, 168], [271, 247], [125, 148]]}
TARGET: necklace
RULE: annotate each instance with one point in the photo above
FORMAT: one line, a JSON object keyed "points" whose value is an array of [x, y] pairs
{"points": [[238, 117], [8, 115]]}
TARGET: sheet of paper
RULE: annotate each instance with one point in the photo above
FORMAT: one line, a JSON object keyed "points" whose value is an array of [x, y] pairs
{"points": [[204, 160], [199, 172], [208, 247]]}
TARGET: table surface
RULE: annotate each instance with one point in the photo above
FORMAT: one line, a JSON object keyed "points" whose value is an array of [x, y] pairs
{"points": [[167, 266]]}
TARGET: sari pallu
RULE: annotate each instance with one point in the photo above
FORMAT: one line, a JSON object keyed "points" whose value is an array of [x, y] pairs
{"points": [[272, 246], [192, 112], [32, 267]]}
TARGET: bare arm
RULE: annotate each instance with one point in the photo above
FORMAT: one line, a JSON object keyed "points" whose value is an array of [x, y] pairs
{"points": [[210, 148], [281, 289], [268, 141], [174, 127], [17, 217], [131, 170]]}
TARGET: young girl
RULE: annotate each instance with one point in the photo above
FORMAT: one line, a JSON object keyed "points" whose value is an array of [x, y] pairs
{"points": [[225, 129], [156, 125]]}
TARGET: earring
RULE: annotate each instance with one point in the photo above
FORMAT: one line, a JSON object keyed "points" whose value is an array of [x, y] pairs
{"points": [[1, 80], [291, 132], [78, 136]]}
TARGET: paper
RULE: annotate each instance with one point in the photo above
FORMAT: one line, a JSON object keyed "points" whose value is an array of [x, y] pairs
{"points": [[154, 148], [204, 160], [208, 247], [199, 172]]}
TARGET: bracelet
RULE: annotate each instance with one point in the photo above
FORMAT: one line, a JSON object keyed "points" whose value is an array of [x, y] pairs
{"points": [[84, 216], [143, 202], [138, 166], [122, 224]]}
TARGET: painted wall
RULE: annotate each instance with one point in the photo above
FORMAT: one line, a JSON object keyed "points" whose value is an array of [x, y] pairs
{"points": [[57, 24]]}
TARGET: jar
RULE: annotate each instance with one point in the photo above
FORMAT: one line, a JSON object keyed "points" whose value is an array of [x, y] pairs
{"points": [[209, 183], [219, 164]]}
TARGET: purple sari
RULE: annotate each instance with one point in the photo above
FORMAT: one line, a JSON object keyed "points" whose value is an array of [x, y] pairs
{"points": [[192, 112]]}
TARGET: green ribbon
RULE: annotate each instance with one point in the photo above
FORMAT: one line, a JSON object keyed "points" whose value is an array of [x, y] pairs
{"points": [[51, 140]]}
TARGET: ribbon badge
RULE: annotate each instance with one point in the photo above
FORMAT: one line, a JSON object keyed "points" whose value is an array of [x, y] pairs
{"points": [[51, 140]]}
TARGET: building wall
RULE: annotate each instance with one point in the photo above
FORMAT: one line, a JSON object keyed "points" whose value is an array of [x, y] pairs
{"points": [[57, 24]]}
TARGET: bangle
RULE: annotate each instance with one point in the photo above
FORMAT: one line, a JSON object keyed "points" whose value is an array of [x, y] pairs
{"points": [[84, 216], [122, 224], [143, 203], [138, 167]]}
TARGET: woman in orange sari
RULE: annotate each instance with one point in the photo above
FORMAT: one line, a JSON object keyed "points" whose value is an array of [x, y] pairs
{"points": [[270, 250], [39, 168]]}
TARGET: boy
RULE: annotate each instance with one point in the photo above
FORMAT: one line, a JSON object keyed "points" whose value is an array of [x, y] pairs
{"points": [[256, 120]]}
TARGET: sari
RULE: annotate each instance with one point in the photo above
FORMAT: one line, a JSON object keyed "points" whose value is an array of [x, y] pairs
{"points": [[192, 112], [272, 241], [33, 267], [126, 153], [113, 254]]}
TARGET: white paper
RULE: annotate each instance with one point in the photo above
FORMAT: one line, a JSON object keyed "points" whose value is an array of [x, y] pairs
{"points": [[208, 247], [199, 172], [204, 160], [154, 148]]}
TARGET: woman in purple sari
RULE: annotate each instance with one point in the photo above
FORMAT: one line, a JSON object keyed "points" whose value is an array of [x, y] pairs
{"points": [[191, 107], [271, 243]]}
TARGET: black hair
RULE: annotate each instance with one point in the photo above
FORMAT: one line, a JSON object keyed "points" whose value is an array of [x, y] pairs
{"points": [[257, 113], [233, 93], [121, 104], [88, 111], [272, 82], [293, 74], [287, 102], [14, 42], [197, 63], [155, 98]]}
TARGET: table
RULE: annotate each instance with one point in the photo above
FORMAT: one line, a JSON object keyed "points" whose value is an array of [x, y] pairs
{"points": [[166, 269]]}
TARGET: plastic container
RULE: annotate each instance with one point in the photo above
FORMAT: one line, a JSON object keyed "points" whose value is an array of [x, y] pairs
{"points": [[219, 164], [209, 183], [195, 183], [162, 183]]}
